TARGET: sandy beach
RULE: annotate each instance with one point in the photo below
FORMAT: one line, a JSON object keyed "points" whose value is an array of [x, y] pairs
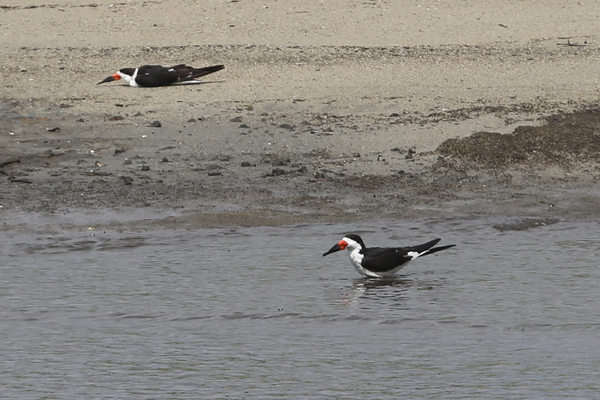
{"points": [[325, 111]]}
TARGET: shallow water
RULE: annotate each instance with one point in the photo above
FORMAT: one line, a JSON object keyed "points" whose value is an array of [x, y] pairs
{"points": [[511, 312]]}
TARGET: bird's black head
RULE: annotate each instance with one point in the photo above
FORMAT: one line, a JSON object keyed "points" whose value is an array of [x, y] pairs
{"points": [[356, 238], [342, 244], [127, 71]]}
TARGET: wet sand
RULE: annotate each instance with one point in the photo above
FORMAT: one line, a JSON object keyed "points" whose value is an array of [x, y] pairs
{"points": [[325, 112]]}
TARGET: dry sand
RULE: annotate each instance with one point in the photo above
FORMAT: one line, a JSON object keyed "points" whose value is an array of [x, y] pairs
{"points": [[326, 111]]}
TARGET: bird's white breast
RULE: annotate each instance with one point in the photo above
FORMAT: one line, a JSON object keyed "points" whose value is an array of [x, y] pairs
{"points": [[356, 258]]}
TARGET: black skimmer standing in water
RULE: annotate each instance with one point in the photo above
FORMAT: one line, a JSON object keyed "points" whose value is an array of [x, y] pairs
{"points": [[380, 262], [157, 75]]}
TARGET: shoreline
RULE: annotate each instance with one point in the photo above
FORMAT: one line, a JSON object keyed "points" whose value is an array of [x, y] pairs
{"points": [[166, 188]]}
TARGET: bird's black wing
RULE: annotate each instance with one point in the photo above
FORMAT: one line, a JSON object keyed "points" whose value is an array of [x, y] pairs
{"points": [[198, 72], [379, 259], [427, 248], [421, 247], [145, 69], [187, 73], [156, 75]]}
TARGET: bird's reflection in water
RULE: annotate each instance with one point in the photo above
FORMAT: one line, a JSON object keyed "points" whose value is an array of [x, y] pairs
{"points": [[383, 294], [368, 292]]}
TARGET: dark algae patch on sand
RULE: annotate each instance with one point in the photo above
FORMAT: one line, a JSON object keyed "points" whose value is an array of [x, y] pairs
{"points": [[563, 141]]}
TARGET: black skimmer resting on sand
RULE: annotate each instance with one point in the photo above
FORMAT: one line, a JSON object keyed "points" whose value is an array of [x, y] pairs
{"points": [[378, 262], [157, 75]]}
